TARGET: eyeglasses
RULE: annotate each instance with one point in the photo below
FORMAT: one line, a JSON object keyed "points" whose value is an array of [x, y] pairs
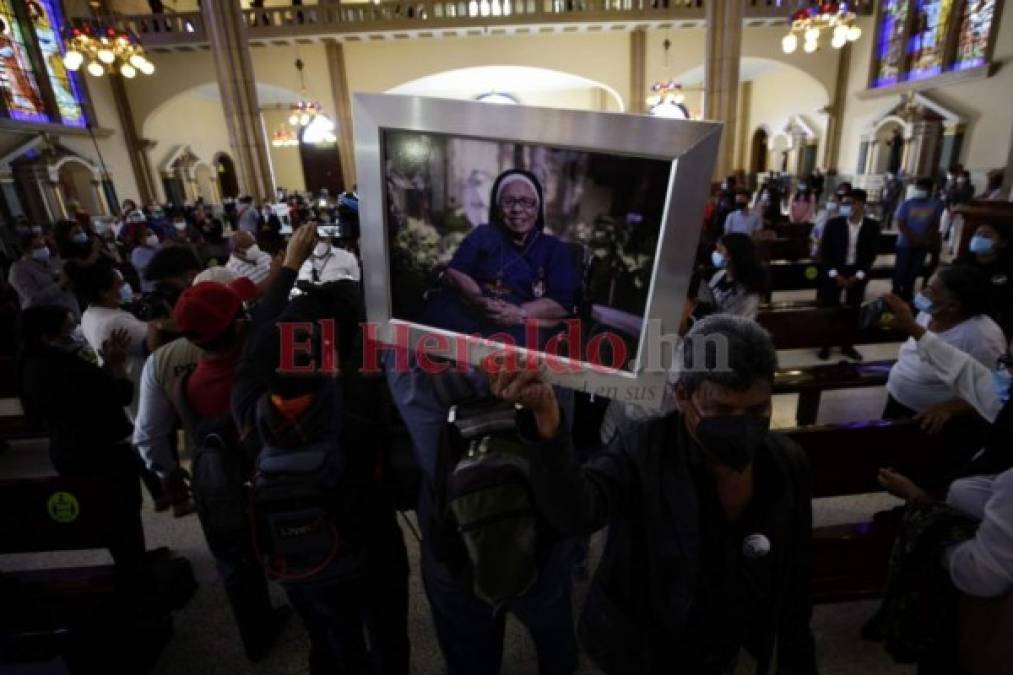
{"points": [[523, 202]]}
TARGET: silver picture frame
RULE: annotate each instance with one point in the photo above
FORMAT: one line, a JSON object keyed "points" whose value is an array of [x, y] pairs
{"points": [[690, 146]]}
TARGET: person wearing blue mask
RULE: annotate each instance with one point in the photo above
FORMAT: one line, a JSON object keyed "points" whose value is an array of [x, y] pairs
{"points": [[952, 307], [847, 251], [979, 562], [918, 221], [107, 292], [739, 283], [989, 252], [34, 280]]}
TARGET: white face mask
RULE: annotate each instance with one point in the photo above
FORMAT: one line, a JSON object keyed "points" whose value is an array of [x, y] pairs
{"points": [[41, 254], [321, 249], [151, 240], [919, 194], [180, 225], [252, 253]]}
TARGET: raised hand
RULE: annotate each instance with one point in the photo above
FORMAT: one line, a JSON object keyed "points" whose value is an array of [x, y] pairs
{"points": [[300, 246], [114, 350], [526, 388]]}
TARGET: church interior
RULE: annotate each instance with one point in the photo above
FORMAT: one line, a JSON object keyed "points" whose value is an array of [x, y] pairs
{"points": [[136, 136]]}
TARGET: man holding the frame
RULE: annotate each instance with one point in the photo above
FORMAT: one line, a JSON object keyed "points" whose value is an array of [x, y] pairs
{"points": [[709, 516]]}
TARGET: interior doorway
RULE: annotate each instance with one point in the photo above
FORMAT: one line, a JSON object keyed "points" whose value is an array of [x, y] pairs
{"points": [[758, 151], [227, 180], [321, 167]]}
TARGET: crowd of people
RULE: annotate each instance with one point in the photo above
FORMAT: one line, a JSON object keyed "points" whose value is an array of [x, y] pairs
{"points": [[158, 347]]}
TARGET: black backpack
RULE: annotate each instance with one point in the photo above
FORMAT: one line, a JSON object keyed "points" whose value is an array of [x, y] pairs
{"points": [[487, 520], [297, 504]]}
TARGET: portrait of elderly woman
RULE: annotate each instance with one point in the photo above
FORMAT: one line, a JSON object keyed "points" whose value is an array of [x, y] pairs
{"points": [[509, 273]]}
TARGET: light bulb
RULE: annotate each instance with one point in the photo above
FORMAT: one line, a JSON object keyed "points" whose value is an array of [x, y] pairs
{"points": [[304, 119], [73, 60], [812, 34], [810, 47], [841, 30], [789, 43], [854, 33], [136, 60], [96, 69], [838, 41], [128, 71], [106, 56], [147, 68], [679, 99], [293, 119]]}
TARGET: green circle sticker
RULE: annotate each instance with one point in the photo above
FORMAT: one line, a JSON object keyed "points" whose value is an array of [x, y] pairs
{"points": [[811, 272], [63, 507]]}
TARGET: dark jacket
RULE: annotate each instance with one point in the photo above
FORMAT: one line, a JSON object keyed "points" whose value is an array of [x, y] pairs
{"points": [[639, 606], [80, 405], [834, 245]]}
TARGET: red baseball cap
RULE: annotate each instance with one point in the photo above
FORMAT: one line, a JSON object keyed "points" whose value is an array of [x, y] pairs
{"points": [[204, 311]]}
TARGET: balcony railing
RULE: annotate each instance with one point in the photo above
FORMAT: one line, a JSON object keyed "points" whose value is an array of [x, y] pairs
{"points": [[187, 28]]}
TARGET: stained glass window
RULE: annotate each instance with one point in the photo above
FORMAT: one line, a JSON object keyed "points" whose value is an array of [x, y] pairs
{"points": [[18, 85], [890, 49], [47, 20], [975, 29], [928, 39]]}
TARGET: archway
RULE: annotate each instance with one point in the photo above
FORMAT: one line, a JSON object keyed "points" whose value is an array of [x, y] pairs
{"points": [[889, 148], [228, 182], [78, 183], [523, 84], [321, 165], [758, 152], [205, 183]]}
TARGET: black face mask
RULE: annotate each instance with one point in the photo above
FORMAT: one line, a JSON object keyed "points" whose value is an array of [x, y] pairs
{"points": [[732, 440]]}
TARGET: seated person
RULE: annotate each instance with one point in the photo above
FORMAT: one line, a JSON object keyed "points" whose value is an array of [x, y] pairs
{"points": [[709, 516], [508, 272], [981, 565], [740, 282], [952, 305], [989, 252]]}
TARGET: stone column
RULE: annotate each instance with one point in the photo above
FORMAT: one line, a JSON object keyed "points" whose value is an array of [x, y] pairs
{"points": [[742, 157], [835, 111], [923, 148], [146, 189], [638, 65], [226, 31], [342, 110], [721, 75]]}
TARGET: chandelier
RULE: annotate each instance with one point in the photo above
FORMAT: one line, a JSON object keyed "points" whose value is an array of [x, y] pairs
{"points": [[666, 100], [303, 110], [809, 22], [105, 49], [284, 138]]}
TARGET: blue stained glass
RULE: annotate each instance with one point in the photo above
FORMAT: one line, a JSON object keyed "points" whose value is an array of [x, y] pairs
{"points": [[47, 20]]}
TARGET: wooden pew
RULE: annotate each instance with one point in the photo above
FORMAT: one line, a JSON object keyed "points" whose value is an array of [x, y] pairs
{"points": [[810, 383], [803, 274], [86, 613], [813, 327], [850, 561]]}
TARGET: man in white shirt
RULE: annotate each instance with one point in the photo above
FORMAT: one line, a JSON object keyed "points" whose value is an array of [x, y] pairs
{"points": [[742, 219], [329, 262], [847, 251], [247, 260]]}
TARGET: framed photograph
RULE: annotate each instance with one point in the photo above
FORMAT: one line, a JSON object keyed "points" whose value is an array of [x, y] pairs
{"points": [[556, 239]]}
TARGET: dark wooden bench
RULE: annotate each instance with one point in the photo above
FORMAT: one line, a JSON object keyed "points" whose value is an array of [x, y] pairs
{"points": [[810, 383], [813, 327], [84, 613], [850, 561], [801, 275]]}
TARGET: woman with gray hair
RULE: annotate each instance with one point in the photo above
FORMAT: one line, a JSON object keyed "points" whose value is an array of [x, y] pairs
{"points": [[509, 273]]}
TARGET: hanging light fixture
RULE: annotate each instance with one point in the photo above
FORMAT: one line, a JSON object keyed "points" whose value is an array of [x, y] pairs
{"points": [[809, 22], [666, 98], [284, 138], [304, 110], [105, 48]]}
